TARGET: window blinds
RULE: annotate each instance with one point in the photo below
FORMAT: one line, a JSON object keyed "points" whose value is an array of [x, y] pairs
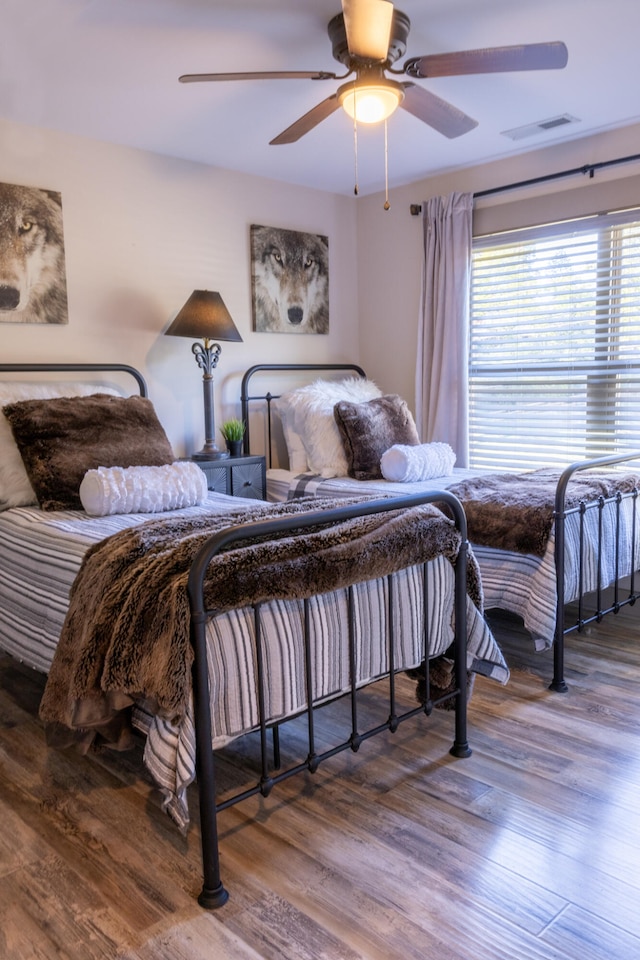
{"points": [[554, 353]]}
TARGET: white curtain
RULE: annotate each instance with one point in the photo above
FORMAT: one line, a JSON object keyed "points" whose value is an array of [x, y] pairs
{"points": [[443, 331]]}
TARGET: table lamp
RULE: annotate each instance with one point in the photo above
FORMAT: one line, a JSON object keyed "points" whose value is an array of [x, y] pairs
{"points": [[205, 317]]}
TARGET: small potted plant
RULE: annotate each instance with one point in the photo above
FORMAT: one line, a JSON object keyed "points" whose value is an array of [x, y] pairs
{"points": [[233, 433]]}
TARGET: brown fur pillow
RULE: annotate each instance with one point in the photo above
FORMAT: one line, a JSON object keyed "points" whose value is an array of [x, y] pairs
{"points": [[60, 439], [368, 429]]}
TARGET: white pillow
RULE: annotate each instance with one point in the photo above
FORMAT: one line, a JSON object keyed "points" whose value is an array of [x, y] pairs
{"points": [[410, 464], [15, 486], [109, 490], [295, 447], [309, 412]]}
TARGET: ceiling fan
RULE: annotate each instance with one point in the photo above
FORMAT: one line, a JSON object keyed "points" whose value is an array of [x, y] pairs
{"points": [[368, 36]]}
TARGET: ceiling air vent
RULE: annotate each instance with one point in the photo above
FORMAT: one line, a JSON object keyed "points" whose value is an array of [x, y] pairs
{"points": [[531, 129]]}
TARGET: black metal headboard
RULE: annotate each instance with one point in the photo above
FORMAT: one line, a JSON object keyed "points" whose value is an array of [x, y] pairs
{"points": [[246, 398], [77, 368]]}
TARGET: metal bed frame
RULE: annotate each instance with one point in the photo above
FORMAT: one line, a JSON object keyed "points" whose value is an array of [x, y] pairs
{"points": [[213, 892], [622, 596], [598, 609]]}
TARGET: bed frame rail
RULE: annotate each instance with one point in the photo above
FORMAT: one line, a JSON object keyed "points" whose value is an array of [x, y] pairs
{"points": [[213, 893], [77, 368], [622, 596]]}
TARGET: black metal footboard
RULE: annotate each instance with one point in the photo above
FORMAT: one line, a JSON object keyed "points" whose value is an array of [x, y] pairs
{"points": [[624, 558], [213, 892]]}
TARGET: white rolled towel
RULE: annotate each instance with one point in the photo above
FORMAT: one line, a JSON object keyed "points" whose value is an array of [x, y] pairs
{"points": [[109, 490], [424, 461]]}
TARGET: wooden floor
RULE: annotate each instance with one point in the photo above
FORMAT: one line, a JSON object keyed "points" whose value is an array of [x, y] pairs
{"points": [[528, 850]]}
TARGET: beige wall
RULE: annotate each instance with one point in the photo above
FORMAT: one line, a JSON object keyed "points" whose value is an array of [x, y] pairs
{"points": [[390, 242], [141, 232]]}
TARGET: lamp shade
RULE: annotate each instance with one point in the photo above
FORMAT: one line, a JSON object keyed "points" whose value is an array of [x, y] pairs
{"points": [[205, 317]]}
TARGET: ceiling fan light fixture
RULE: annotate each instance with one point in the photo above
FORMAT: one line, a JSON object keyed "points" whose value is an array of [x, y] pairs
{"points": [[370, 102]]}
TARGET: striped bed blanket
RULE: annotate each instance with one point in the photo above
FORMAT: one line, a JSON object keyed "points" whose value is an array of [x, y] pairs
{"points": [[126, 633], [47, 551]]}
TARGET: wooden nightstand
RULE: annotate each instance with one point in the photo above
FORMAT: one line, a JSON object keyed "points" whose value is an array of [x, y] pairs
{"points": [[237, 476]]}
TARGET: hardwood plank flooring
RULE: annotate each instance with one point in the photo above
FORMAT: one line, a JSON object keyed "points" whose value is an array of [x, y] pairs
{"points": [[527, 850]]}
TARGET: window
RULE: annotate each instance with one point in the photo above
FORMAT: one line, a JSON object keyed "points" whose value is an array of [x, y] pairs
{"points": [[554, 353]]}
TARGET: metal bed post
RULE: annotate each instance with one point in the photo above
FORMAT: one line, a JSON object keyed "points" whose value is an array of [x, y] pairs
{"points": [[460, 746], [213, 893], [558, 682]]}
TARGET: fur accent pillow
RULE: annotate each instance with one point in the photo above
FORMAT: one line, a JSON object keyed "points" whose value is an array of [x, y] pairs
{"points": [[309, 412], [368, 429], [60, 439], [15, 486]]}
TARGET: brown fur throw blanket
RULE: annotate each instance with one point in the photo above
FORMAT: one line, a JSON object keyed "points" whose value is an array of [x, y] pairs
{"points": [[126, 635], [516, 511]]}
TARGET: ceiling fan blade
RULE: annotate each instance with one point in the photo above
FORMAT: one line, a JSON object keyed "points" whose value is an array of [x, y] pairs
{"points": [[260, 75], [437, 113], [307, 122], [529, 56], [368, 27]]}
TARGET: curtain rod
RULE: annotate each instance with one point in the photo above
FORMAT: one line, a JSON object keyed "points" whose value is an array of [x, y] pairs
{"points": [[588, 168]]}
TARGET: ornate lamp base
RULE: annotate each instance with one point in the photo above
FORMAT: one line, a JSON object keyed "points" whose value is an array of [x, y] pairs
{"points": [[212, 454]]}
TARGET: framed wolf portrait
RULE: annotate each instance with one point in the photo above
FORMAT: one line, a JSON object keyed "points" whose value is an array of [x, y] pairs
{"points": [[290, 281], [33, 285]]}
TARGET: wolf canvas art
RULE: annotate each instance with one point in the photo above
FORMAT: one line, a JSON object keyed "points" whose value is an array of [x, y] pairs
{"points": [[33, 286], [290, 279]]}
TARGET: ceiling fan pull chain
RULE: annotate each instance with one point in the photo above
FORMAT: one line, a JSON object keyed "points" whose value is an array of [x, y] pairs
{"points": [[355, 156], [387, 205]]}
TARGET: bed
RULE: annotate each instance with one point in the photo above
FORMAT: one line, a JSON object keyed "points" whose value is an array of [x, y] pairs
{"points": [[542, 541], [251, 613]]}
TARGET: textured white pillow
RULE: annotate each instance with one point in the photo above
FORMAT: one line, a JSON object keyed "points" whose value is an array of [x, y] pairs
{"points": [[15, 486], [410, 464], [309, 412], [109, 490]]}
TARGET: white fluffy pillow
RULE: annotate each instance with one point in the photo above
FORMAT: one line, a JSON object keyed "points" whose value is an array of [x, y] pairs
{"points": [[15, 486], [295, 448], [309, 412], [109, 490]]}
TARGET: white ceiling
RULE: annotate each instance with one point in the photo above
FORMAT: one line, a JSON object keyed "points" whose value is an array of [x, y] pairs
{"points": [[108, 70]]}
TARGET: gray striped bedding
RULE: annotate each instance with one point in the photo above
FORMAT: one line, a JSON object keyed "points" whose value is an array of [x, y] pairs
{"points": [[40, 554], [521, 583]]}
